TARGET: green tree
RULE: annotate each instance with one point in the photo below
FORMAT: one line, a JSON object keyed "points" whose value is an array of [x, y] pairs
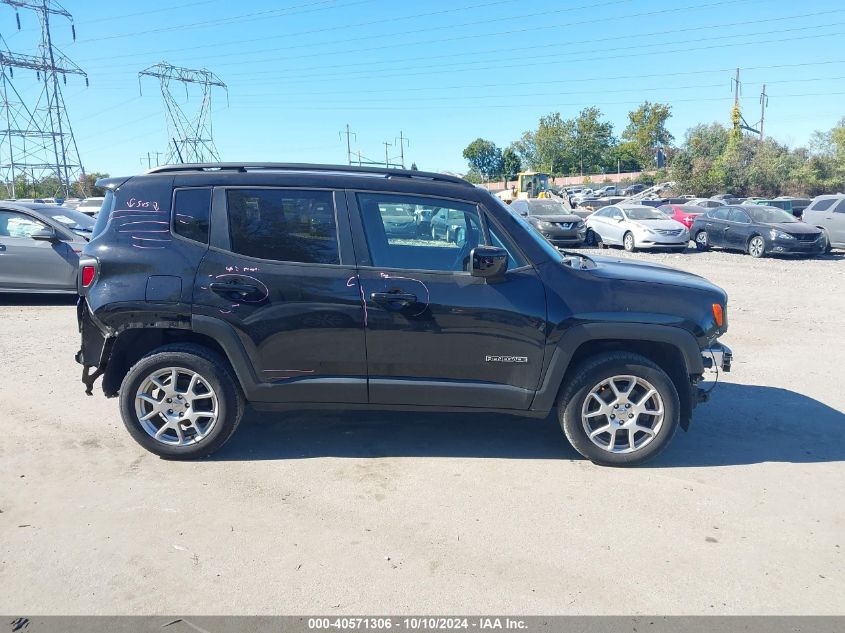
{"points": [[526, 150], [511, 163], [86, 187], [484, 158], [593, 141], [556, 144], [647, 131], [414, 167]]}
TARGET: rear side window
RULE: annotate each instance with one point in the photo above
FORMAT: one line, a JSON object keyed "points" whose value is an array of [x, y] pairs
{"points": [[823, 205], [720, 213], [104, 214], [283, 225], [190, 213], [840, 208]]}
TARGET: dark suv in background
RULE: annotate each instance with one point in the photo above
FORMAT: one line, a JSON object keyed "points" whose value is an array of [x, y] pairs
{"points": [[208, 286]]}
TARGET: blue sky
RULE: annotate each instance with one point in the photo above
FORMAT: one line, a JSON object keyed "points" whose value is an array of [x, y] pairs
{"points": [[442, 72]]}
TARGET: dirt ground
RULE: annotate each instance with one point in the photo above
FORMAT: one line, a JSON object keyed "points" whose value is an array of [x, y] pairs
{"points": [[363, 513]]}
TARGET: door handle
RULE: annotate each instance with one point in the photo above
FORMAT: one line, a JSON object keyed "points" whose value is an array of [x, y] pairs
{"points": [[226, 288], [394, 297]]}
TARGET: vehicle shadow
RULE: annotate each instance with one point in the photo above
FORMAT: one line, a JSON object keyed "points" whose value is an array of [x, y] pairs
{"points": [[742, 424], [24, 299]]}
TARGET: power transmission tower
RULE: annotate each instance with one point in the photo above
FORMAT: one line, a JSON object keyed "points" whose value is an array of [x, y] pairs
{"points": [[402, 140], [37, 139], [190, 137], [348, 133]]}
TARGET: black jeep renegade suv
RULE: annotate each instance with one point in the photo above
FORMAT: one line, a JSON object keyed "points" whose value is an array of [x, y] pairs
{"points": [[205, 287]]}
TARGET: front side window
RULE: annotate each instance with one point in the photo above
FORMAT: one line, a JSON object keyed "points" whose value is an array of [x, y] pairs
{"points": [[406, 241], [739, 216], [190, 213], [840, 208], [283, 225], [18, 225], [720, 213]]}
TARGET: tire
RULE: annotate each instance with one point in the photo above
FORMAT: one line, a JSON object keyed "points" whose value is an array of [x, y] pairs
{"points": [[577, 409], [214, 388], [757, 247], [702, 240], [591, 238], [628, 242], [433, 233], [459, 237]]}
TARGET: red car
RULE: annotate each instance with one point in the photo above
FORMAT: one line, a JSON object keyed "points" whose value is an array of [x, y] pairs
{"points": [[683, 213]]}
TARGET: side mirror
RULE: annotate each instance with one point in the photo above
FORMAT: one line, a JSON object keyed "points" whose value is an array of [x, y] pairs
{"points": [[619, 218], [45, 235], [488, 261]]}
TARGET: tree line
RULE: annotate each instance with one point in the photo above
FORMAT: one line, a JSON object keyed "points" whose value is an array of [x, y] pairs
{"points": [[712, 158], [50, 187]]}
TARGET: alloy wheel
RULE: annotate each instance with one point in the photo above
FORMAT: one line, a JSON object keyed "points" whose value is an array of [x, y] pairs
{"points": [[176, 406], [756, 246], [622, 414]]}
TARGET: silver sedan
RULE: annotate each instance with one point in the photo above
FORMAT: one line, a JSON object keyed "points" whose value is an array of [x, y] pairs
{"points": [[636, 226]]}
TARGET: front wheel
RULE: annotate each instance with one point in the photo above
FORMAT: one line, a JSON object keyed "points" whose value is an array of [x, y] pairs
{"points": [[181, 402], [619, 409], [702, 241], [756, 247], [628, 242]]}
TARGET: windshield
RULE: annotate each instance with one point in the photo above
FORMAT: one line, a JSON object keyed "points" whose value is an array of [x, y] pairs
{"points": [[644, 213], [532, 233], [770, 215], [546, 207], [75, 221]]}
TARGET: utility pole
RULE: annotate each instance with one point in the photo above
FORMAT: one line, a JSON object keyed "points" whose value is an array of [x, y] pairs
{"points": [[359, 158], [737, 88], [764, 101], [191, 136], [348, 143], [149, 159], [38, 139], [386, 155], [402, 140]]}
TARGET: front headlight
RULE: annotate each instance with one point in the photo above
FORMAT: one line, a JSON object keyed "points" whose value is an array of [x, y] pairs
{"points": [[580, 225], [780, 235], [545, 225]]}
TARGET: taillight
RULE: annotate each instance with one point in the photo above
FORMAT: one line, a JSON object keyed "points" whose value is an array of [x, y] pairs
{"points": [[88, 273]]}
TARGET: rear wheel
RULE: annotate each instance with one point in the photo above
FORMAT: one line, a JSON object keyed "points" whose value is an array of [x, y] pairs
{"points": [[181, 402], [702, 241], [827, 247], [756, 247], [433, 233], [628, 242], [619, 409]]}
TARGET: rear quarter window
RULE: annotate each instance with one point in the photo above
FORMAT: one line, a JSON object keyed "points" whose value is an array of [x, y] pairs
{"points": [[191, 208]]}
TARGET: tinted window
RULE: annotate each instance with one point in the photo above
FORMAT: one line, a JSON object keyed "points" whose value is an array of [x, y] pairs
{"points": [[283, 225], [104, 214], [737, 215], [18, 225], [823, 205], [840, 208], [719, 214], [768, 215], [190, 213]]}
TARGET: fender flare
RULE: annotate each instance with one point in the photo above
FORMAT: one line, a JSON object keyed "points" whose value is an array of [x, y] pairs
{"points": [[578, 335]]}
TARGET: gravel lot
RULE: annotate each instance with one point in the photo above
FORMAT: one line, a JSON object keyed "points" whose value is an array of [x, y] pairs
{"points": [[375, 513]]}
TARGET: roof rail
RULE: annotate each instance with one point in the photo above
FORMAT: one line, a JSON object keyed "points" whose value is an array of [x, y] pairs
{"points": [[306, 167]]}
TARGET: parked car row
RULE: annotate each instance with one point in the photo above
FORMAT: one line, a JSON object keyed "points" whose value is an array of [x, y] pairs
{"points": [[756, 229]]}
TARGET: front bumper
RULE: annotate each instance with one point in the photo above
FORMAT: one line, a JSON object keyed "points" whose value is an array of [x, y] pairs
{"points": [[717, 357], [796, 247], [564, 237]]}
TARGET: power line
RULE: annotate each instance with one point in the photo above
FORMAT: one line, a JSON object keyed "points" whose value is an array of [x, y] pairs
{"points": [[346, 27], [247, 17], [568, 44]]}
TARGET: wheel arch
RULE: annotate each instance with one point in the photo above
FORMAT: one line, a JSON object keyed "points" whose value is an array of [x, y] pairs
{"points": [[133, 344], [672, 349]]}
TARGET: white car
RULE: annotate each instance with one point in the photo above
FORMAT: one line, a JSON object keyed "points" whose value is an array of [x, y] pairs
{"points": [[636, 226], [90, 206]]}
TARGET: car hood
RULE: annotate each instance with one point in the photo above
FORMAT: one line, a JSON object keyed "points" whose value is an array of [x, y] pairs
{"points": [[568, 217], [666, 225], [633, 270], [796, 228]]}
